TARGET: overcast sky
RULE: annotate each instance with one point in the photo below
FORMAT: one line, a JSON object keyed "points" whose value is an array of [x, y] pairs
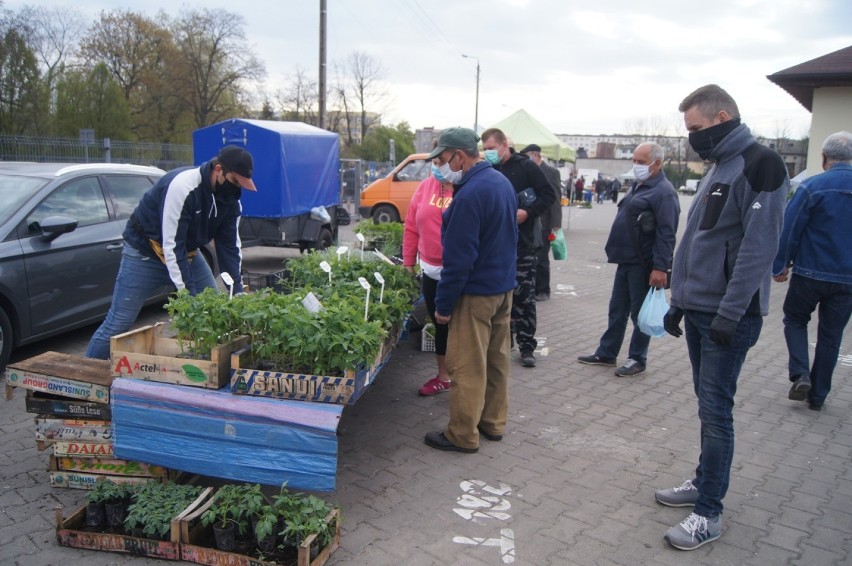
{"points": [[579, 67]]}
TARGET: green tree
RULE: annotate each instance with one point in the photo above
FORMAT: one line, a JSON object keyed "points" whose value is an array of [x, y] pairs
{"points": [[376, 146], [92, 99], [21, 89]]}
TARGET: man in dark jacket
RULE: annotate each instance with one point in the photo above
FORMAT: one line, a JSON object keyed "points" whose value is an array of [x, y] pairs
{"points": [[643, 252], [474, 295], [183, 211], [534, 197], [551, 221]]}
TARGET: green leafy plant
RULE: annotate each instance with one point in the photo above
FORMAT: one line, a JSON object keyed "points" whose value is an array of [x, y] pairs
{"points": [[201, 321], [229, 507], [155, 504], [107, 491], [266, 522], [304, 516], [385, 237]]}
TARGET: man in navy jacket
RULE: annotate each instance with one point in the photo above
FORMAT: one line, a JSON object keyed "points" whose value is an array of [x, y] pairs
{"points": [[183, 211]]}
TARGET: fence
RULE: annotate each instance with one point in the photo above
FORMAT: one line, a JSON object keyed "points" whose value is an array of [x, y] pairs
{"points": [[69, 150]]}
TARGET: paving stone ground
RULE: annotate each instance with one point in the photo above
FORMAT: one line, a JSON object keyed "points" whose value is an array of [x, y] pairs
{"points": [[571, 483]]}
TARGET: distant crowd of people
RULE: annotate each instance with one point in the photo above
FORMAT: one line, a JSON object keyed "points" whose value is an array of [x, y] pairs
{"points": [[479, 230]]}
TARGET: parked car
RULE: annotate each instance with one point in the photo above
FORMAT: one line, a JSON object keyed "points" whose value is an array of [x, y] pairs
{"points": [[60, 244], [386, 199], [690, 187]]}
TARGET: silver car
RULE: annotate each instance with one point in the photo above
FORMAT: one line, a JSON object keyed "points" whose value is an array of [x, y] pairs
{"points": [[60, 244]]}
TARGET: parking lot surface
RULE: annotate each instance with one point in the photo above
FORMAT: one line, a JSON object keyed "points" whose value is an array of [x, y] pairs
{"points": [[571, 483]]}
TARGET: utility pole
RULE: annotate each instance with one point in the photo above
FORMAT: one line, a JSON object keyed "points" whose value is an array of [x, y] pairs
{"points": [[476, 111], [322, 63]]}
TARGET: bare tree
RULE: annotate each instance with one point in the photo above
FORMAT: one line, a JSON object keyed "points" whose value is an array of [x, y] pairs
{"points": [[212, 45], [53, 35], [300, 101], [340, 93], [366, 74]]}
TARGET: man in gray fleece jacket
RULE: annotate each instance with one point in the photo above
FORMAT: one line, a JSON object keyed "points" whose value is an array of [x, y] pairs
{"points": [[720, 289]]}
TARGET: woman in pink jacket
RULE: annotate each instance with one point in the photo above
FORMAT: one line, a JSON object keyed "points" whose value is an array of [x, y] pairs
{"points": [[422, 237]]}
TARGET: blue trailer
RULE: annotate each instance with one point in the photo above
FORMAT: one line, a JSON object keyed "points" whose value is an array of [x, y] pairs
{"points": [[297, 173]]}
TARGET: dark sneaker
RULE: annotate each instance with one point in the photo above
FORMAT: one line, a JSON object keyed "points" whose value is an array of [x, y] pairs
{"points": [[684, 495], [596, 361], [814, 406], [437, 440], [630, 368], [800, 389], [542, 297], [433, 387], [694, 531], [488, 435], [527, 359]]}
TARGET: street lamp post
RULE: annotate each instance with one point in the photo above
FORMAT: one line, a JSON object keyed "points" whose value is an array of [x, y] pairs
{"points": [[476, 111]]}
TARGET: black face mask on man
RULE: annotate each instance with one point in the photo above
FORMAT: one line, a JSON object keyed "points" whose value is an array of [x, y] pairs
{"points": [[229, 188], [703, 141]]}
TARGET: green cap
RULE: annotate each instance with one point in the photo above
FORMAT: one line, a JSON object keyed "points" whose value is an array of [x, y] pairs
{"points": [[455, 138]]}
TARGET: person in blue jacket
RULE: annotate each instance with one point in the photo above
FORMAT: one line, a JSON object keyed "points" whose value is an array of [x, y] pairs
{"points": [[474, 296], [184, 210], [815, 241]]}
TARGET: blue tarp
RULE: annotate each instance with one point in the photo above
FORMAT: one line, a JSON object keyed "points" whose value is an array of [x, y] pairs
{"points": [[296, 166], [215, 433]]}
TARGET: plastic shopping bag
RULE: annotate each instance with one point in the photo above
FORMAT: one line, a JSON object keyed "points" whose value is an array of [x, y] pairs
{"points": [[653, 310], [558, 247]]}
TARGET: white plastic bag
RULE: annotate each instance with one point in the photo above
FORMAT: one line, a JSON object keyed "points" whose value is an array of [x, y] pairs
{"points": [[653, 310]]}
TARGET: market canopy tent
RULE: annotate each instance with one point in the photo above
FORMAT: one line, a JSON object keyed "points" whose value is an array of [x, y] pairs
{"points": [[523, 130]]}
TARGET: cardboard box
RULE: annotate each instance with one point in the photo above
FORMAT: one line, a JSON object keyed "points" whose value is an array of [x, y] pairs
{"points": [[56, 406], [65, 375], [198, 546], [108, 466], [343, 390], [72, 532], [149, 353]]}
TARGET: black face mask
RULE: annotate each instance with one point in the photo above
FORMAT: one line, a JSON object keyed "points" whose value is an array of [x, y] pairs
{"points": [[229, 188], [703, 141]]}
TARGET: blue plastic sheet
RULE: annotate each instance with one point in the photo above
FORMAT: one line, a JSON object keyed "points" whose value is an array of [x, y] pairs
{"points": [[215, 433]]}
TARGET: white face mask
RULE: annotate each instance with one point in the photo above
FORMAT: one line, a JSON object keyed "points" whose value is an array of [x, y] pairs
{"points": [[641, 172], [449, 175]]}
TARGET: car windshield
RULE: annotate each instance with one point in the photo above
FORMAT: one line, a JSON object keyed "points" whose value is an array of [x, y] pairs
{"points": [[15, 191]]}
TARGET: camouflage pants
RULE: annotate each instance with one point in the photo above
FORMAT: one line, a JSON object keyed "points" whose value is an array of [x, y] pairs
{"points": [[523, 303]]}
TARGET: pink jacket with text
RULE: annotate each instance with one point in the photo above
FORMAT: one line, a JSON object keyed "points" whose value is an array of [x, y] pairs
{"points": [[422, 233]]}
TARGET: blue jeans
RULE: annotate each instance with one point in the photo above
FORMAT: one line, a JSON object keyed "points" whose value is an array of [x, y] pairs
{"points": [[715, 370], [835, 307], [628, 293], [139, 278]]}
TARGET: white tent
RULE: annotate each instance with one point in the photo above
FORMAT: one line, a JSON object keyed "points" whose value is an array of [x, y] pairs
{"points": [[628, 176]]}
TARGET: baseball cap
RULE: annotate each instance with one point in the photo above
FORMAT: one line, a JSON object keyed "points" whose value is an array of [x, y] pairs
{"points": [[531, 147], [455, 138], [239, 162]]}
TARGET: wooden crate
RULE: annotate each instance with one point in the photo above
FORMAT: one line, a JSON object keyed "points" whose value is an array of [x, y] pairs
{"points": [[107, 466], [339, 390], [72, 532], [79, 480], [65, 375], [49, 430], [149, 353], [193, 535], [83, 449], [56, 406]]}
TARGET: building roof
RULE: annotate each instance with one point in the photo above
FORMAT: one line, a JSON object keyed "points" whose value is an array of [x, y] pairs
{"points": [[832, 70]]}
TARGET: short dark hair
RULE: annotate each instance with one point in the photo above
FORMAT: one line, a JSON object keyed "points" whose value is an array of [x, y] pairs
{"points": [[495, 133], [710, 100]]}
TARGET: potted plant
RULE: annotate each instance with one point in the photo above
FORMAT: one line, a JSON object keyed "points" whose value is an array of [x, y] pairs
{"points": [[155, 505], [266, 529], [226, 514], [107, 501]]}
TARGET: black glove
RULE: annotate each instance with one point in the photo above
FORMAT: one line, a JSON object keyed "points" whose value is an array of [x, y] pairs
{"points": [[671, 322], [722, 330]]}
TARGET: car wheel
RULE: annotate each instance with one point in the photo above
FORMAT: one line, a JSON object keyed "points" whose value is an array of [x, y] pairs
{"points": [[6, 339], [385, 213]]}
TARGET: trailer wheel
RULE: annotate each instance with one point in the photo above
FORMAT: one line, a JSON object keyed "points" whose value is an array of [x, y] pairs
{"points": [[385, 213]]}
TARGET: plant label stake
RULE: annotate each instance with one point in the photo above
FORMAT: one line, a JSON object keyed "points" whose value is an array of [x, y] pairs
{"points": [[342, 250], [383, 257], [366, 285], [381, 280], [327, 268], [360, 237], [229, 281], [311, 303]]}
